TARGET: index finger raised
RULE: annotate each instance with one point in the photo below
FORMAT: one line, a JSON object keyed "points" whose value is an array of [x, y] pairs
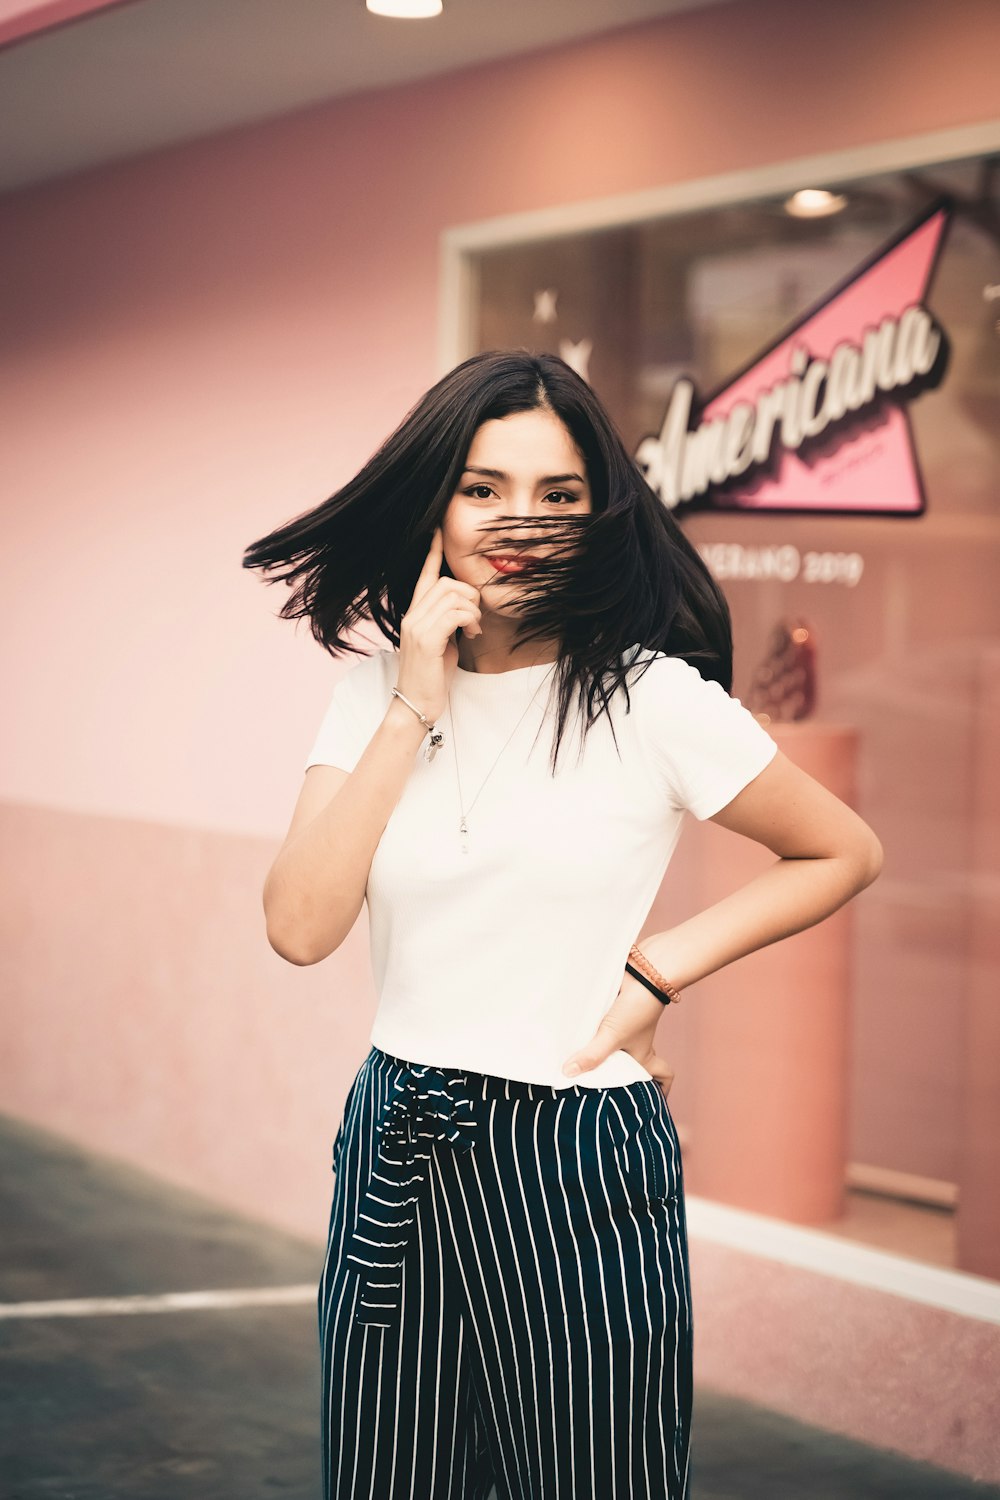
{"points": [[431, 570]]}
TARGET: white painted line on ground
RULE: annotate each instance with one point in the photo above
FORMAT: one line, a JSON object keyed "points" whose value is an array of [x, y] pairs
{"points": [[89, 1307]]}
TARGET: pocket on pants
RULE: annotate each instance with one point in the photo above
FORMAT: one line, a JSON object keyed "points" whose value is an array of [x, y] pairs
{"points": [[645, 1142], [338, 1145], [338, 1141]]}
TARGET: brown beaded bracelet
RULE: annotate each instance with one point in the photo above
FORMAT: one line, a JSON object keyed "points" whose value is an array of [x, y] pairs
{"points": [[653, 980]]}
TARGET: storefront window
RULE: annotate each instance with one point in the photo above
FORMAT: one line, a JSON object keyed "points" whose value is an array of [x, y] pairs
{"points": [[885, 544]]}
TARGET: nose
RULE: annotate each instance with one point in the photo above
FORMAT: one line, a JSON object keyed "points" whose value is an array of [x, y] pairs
{"points": [[524, 506]]}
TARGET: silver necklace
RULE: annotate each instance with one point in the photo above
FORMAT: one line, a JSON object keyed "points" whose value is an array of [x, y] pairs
{"points": [[463, 826]]}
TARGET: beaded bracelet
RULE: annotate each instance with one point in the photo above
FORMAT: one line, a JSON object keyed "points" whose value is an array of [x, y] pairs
{"points": [[643, 970]]}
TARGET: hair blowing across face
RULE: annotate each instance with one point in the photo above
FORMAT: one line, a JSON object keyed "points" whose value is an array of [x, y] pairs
{"points": [[623, 576]]}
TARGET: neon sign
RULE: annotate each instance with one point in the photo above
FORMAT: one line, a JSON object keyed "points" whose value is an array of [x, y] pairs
{"points": [[818, 422]]}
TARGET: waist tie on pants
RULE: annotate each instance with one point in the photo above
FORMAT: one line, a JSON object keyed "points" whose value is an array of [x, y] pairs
{"points": [[428, 1104]]}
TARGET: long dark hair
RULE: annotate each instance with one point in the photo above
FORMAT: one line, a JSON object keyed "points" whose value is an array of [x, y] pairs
{"points": [[623, 576]]}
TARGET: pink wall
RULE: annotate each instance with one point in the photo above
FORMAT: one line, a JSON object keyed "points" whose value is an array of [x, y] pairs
{"points": [[194, 348], [197, 345]]}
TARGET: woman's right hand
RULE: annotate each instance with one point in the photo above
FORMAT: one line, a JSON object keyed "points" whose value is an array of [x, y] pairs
{"points": [[428, 653]]}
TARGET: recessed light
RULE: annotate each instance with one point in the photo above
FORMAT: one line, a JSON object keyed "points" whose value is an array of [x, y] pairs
{"points": [[405, 10], [814, 203]]}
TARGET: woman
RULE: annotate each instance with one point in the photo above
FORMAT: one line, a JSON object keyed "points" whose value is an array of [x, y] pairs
{"points": [[506, 1298]]}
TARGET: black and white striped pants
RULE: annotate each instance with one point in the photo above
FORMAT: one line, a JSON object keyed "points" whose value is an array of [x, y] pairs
{"points": [[506, 1296]]}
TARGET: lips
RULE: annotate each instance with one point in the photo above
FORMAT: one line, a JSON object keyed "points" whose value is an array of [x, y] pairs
{"points": [[512, 564]]}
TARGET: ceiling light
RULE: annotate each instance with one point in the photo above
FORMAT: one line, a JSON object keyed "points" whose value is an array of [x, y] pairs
{"points": [[814, 203], [405, 9]]}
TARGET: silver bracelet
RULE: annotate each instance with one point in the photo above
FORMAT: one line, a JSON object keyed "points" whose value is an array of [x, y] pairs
{"points": [[437, 738]]}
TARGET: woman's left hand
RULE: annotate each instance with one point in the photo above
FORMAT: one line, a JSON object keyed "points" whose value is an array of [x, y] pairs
{"points": [[629, 1026]]}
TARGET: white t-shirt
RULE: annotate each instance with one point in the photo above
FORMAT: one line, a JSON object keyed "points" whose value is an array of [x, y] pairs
{"points": [[503, 959]]}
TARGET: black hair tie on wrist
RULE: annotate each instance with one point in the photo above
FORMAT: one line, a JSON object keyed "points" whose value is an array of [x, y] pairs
{"points": [[663, 999]]}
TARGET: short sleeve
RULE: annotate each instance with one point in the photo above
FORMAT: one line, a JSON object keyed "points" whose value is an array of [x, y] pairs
{"points": [[350, 720], [703, 745]]}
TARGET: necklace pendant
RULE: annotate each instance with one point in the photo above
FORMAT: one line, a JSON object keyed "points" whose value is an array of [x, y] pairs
{"points": [[463, 830]]}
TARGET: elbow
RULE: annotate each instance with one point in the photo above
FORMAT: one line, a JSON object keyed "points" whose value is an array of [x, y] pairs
{"points": [[299, 955], [290, 951], [300, 948], [286, 935], [285, 929], [283, 936], [868, 860], [296, 932]]}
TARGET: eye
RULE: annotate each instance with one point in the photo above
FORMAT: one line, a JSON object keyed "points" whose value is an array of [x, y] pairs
{"points": [[478, 492], [563, 497]]}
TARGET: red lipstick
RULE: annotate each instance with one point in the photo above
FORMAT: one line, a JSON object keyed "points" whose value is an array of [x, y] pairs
{"points": [[511, 564]]}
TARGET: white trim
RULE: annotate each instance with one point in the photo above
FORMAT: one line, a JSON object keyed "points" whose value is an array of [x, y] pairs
{"points": [[455, 302], [89, 1307], [829, 1255], [907, 1186]]}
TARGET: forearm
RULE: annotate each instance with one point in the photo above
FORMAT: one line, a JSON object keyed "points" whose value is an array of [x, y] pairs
{"points": [[316, 886], [788, 897]]}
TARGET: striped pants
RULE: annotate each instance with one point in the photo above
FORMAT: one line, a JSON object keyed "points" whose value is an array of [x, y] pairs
{"points": [[505, 1300]]}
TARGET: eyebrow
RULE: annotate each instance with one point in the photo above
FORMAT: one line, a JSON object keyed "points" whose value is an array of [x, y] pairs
{"points": [[546, 479]]}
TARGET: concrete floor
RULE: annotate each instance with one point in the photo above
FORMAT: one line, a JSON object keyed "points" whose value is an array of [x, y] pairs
{"points": [[222, 1403]]}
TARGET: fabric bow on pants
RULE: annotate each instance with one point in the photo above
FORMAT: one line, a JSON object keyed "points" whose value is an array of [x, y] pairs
{"points": [[429, 1105]]}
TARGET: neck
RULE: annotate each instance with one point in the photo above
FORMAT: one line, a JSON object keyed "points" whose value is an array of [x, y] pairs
{"points": [[494, 651]]}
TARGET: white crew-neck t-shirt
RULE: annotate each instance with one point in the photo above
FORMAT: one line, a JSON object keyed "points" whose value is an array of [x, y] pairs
{"points": [[504, 959]]}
